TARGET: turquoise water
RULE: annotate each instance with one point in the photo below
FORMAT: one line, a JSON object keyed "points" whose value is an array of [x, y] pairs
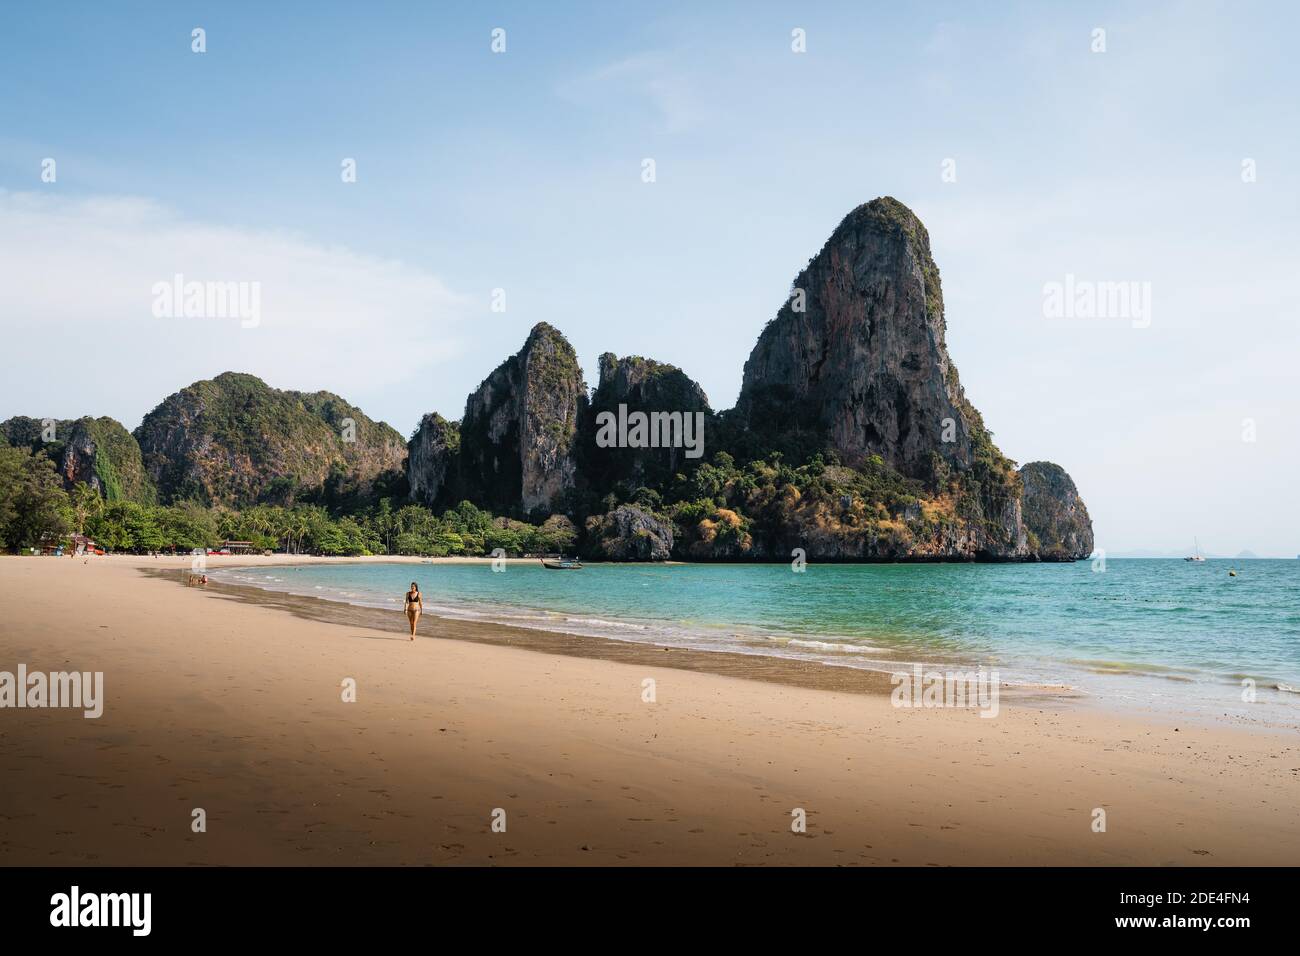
{"points": [[1140, 628]]}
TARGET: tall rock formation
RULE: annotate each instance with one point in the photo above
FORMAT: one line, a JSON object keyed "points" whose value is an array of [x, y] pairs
{"points": [[234, 440], [102, 452], [518, 438], [639, 385], [433, 462], [855, 363], [857, 353], [852, 438], [1055, 515]]}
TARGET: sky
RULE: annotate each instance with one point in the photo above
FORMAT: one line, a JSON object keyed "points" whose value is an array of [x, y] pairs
{"points": [[1161, 151]]}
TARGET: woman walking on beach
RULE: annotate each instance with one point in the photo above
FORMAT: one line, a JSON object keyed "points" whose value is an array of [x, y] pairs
{"points": [[414, 606]]}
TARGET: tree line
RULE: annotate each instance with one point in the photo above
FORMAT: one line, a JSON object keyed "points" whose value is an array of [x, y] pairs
{"points": [[36, 510]]}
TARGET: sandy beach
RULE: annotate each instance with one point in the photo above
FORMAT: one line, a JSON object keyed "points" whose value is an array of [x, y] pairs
{"points": [[236, 707]]}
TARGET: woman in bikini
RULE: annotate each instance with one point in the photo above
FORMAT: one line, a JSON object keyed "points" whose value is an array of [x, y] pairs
{"points": [[414, 606]]}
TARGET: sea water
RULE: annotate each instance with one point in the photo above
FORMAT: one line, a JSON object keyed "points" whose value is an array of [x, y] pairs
{"points": [[1187, 635]]}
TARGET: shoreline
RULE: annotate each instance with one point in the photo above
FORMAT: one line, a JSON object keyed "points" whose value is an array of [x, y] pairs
{"points": [[792, 672], [212, 702], [1125, 687]]}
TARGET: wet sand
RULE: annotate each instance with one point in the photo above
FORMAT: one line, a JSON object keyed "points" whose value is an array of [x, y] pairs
{"points": [[795, 673]]}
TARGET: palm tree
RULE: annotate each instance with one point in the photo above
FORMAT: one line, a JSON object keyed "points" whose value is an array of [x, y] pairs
{"points": [[257, 523], [281, 527], [385, 522], [304, 525], [86, 501], [297, 526]]}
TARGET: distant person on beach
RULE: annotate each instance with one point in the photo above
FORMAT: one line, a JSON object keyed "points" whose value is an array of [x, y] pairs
{"points": [[414, 606]]}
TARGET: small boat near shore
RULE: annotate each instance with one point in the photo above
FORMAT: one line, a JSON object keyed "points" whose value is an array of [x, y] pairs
{"points": [[562, 564]]}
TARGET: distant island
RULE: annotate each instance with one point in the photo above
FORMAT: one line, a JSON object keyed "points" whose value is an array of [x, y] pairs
{"points": [[852, 440]]}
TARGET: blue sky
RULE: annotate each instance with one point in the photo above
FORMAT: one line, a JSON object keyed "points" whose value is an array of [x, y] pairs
{"points": [[522, 171]]}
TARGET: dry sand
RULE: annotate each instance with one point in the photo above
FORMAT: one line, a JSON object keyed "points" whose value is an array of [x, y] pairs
{"points": [[236, 708]]}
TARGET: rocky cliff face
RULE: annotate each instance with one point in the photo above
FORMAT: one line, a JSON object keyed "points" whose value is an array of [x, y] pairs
{"points": [[852, 439], [102, 452], [639, 385], [857, 355], [95, 451], [518, 439], [855, 363], [1055, 515], [236, 441], [77, 463], [432, 464], [629, 533]]}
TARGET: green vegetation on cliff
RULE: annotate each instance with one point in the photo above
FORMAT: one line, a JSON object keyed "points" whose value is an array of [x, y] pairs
{"points": [[98, 451], [36, 511], [235, 441], [852, 439]]}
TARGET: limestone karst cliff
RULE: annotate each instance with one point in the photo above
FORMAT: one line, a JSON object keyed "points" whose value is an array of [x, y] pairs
{"points": [[99, 452], [518, 437], [855, 362], [1056, 516], [636, 384], [852, 438], [234, 440]]}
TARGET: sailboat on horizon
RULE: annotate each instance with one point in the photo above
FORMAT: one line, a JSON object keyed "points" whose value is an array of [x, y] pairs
{"points": [[1197, 556]]}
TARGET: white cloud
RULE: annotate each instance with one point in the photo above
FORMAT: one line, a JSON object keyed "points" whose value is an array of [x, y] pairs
{"points": [[76, 297]]}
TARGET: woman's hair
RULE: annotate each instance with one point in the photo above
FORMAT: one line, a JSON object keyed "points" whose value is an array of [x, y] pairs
{"points": [[415, 586]]}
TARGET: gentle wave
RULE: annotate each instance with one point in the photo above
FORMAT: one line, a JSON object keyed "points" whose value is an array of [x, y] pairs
{"points": [[679, 634], [1141, 630], [833, 646]]}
